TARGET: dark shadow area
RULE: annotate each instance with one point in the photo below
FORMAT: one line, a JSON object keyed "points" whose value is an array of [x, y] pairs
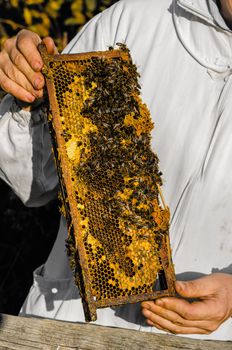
{"points": [[27, 236]]}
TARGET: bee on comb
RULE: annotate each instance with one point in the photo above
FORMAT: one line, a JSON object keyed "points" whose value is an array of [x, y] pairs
{"points": [[118, 223]]}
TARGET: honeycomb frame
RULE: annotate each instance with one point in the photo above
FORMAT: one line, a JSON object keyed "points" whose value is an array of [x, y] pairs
{"points": [[118, 239]]}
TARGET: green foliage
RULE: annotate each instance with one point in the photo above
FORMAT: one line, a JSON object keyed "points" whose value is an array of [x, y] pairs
{"points": [[60, 19]]}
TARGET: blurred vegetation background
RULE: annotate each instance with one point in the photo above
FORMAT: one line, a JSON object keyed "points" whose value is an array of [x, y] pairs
{"points": [[61, 19], [27, 234]]}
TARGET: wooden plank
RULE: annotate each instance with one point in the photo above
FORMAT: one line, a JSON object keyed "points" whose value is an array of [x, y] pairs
{"points": [[21, 333]]}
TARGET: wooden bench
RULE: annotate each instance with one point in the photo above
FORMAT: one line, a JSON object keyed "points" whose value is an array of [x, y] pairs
{"points": [[21, 333]]}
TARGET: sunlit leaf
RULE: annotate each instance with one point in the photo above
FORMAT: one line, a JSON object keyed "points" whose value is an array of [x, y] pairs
{"points": [[102, 8], [52, 8], [2, 40], [89, 14], [40, 29], [14, 3], [107, 2], [71, 21], [91, 5], [79, 19], [33, 2], [11, 23], [27, 16], [77, 6]]}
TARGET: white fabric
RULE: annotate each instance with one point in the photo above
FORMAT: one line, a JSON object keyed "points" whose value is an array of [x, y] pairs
{"points": [[26, 162], [185, 61]]}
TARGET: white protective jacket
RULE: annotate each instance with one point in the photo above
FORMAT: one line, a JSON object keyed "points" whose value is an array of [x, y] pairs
{"points": [[183, 51]]}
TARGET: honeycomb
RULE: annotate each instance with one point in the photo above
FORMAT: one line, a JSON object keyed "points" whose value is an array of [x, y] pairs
{"points": [[118, 223]]}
